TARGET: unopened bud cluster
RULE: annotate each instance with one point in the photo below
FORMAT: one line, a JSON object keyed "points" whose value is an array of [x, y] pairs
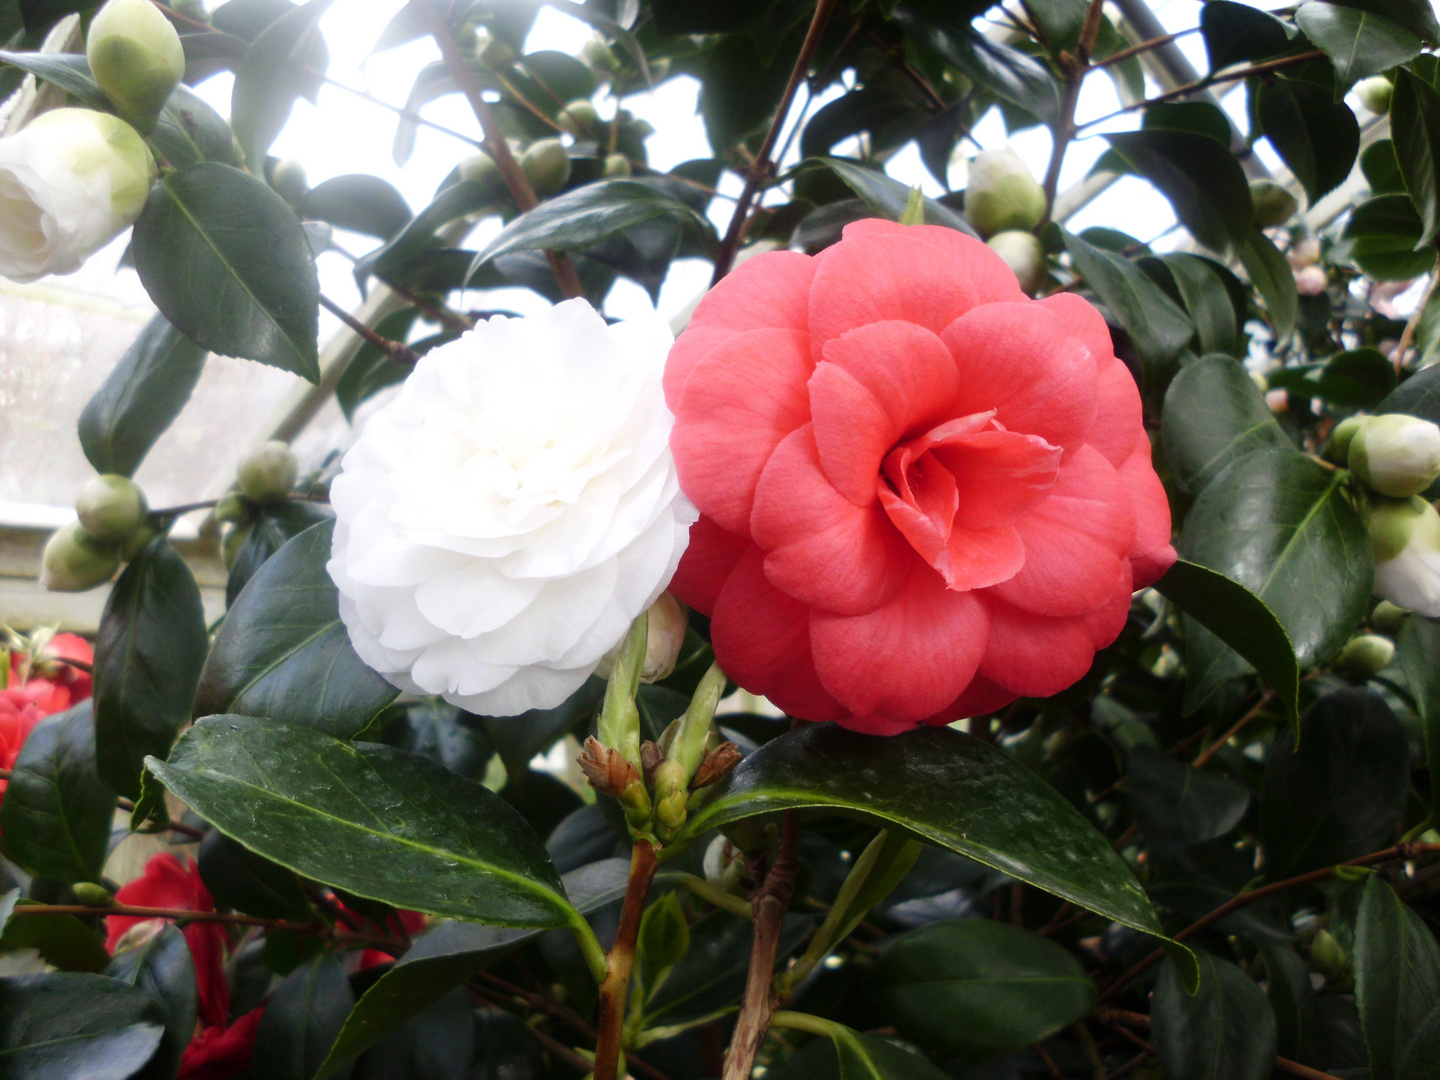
{"points": [[112, 526], [267, 474]]}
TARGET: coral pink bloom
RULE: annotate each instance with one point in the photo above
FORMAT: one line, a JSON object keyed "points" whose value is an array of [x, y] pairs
{"points": [[922, 493], [219, 1052], [168, 883]]}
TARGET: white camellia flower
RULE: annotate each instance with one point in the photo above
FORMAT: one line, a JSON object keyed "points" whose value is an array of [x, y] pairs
{"points": [[69, 182], [506, 517], [1406, 537]]}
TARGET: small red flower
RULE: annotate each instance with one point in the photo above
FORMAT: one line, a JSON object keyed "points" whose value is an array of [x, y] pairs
{"points": [[18, 716], [412, 921], [220, 1052], [46, 680], [167, 883]]}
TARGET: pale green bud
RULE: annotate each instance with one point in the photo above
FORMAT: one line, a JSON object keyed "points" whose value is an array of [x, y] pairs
{"points": [[74, 561], [1338, 448], [1327, 955], [136, 57], [268, 473], [1393, 523], [1405, 535], [1374, 93], [546, 164], [480, 169], [1001, 194], [111, 508], [289, 180], [596, 54], [496, 54], [579, 118], [1396, 455], [1024, 255], [91, 894], [617, 165], [137, 541], [1388, 618], [1365, 654], [1271, 203], [670, 810]]}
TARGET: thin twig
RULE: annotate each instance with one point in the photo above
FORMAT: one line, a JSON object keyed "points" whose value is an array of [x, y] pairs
{"points": [[1144, 46], [1235, 729], [394, 350], [615, 990], [761, 168], [1114, 1018], [1130, 1066], [1412, 324], [234, 918], [191, 831], [1063, 130]]}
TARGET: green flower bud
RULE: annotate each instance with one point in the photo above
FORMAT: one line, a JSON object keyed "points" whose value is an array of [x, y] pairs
{"points": [[495, 54], [1338, 448], [670, 810], [546, 164], [1327, 955], [136, 58], [232, 539], [579, 118], [1365, 654], [91, 894], [111, 507], [1271, 203], [1001, 194], [665, 634], [74, 561], [616, 165], [289, 180], [1388, 618], [480, 169], [1024, 254], [596, 54], [1393, 523], [233, 507], [137, 542], [1374, 93], [1396, 455], [268, 473]]}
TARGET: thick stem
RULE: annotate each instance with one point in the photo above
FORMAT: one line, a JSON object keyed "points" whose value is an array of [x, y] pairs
{"points": [[770, 902], [615, 989], [499, 149], [760, 168]]}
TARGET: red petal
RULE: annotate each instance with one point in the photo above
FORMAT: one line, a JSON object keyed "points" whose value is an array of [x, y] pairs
{"points": [[977, 558], [768, 291], [907, 659], [709, 557], [762, 641], [1151, 554], [1000, 476], [738, 403], [876, 384], [980, 698], [820, 547], [1077, 541]]}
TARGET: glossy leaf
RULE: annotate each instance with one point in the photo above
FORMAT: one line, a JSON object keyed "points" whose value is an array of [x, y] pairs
{"points": [[68, 71], [1154, 322], [1397, 975], [56, 811], [1241, 620], [1358, 378], [1420, 1056], [1298, 1024], [437, 1043], [148, 656], [1278, 523], [61, 940], [163, 968], [1214, 414], [975, 988], [301, 1020], [359, 203], [1316, 136], [1384, 234], [1358, 43], [274, 526], [1177, 805], [282, 651], [1382, 168], [309, 802], [1417, 652], [1419, 395], [1273, 279], [1006, 72], [241, 880], [1201, 178], [140, 398], [887, 197], [944, 787], [1235, 32], [1225, 1031], [850, 1055], [188, 130], [271, 76], [63, 1026], [250, 288], [1336, 794], [1415, 131], [1207, 299]]}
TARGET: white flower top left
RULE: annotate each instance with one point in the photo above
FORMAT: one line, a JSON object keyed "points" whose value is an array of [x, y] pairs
{"points": [[506, 517]]}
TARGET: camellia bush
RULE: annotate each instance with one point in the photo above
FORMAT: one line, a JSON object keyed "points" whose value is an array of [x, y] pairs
{"points": [[1085, 597]]}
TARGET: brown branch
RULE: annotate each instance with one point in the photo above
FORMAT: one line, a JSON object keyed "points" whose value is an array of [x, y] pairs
{"points": [[520, 189], [761, 167], [1130, 1066], [1397, 853], [1144, 46], [191, 831], [1235, 729], [181, 915], [1114, 1018], [770, 902], [1412, 324], [616, 988], [394, 350], [1063, 130]]}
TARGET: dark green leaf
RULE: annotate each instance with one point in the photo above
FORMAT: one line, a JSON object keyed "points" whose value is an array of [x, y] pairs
{"points": [[437, 1043], [1360, 378], [1214, 414], [887, 196], [61, 940], [589, 214], [148, 656], [248, 286], [310, 802], [1419, 395], [1006, 72], [1201, 178], [849, 1055], [241, 880], [140, 398], [1418, 654], [975, 988], [56, 812], [1154, 322], [1177, 805], [436, 730], [1235, 32], [1208, 301], [1382, 168], [1061, 22], [163, 968], [69, 71], [944, 787], [664, 938], [453, 952], [1298, 1024], [1273, 279], [1241, 620], [1358, 43], [1418, 1061], [1316, 136], [301, 1020], [188, 130], [282, 651], [1397, 975], [271, 76], [1415, 131], [1225, 1031], [1337, 794], [1196, 117], [357, 202], [64, 1026], [274, 527], [1415, 15], [1278, 523], [1384, 234]]}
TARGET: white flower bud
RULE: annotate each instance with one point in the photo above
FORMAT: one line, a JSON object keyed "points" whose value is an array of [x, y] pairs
{"points": [[1024, 255], [74, 561], [111, 507], [1406, 537], [136, 57], [1001, 194], [664, 635], [1396, 455], [268, 473], [1365, 654], [1375, 93], [69, 182]]}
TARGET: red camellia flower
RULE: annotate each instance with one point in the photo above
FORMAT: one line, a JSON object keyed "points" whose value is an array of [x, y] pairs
{"points": [[922, 493], [18, 716], [168, 883], [52, 684], [219, 1052]]}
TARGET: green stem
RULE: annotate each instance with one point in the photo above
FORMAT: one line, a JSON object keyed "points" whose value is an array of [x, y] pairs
{"points": [[815, 1025], [590, 946], [736, 905]]}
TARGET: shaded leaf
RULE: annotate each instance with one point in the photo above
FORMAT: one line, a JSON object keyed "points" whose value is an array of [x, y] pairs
{"points": [[887, 197], [1235, 32], [1273, 279], [1154, 322], [1415, 134], [1397, 975], [1214, 414], [1177, 805], [1417, 652], [241, 880], [1384, 234], [849, 1055], [63, 1025], [357, 202], [163, 968], [1316, 136], [301, 1020], [61, 940], [1358, 43], [271, 76], [1201, 178], [1225, 1031]]}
